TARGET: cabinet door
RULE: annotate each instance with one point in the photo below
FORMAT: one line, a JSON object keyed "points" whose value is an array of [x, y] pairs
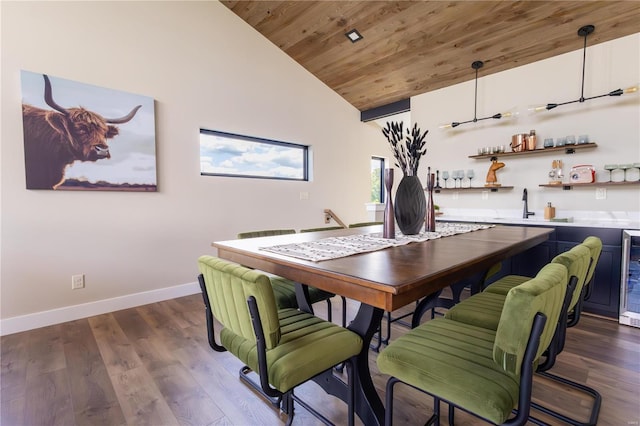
{"points": [[530, 262], [605, 294]]}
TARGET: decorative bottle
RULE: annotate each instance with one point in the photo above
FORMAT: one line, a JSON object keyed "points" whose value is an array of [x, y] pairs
{"points": [[430, 218], [389, 226]]}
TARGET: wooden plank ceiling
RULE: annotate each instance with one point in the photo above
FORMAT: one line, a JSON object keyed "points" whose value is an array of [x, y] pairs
{"points": [[413, 47]]}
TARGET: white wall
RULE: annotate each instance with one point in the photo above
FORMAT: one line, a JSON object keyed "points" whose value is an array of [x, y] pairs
{"points": [[205, 68], [612, 122]]}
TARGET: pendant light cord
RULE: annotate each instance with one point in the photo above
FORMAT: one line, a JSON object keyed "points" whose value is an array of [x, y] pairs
{"points": [[584, 60]]}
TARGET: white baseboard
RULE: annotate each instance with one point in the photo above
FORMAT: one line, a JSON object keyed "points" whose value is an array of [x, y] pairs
{"points": [[84, 310]]}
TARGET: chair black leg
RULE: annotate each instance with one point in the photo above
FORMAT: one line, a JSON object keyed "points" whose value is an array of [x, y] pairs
{"points": [[435, 418], [329, 310], [388, 412], [288, 402], [452, 411], [344, 311], [595, 409], [244, 377]]}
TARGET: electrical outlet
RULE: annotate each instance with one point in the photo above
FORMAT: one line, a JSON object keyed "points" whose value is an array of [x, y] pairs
{"points": [[455, 195], [485, 195], [77, 281], [601, 193], [304, 195]]}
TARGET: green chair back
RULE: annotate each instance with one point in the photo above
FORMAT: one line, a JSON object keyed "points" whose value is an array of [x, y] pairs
{"points": [[577, 262], [361, 224], [327, 228], [594, 244], [228, 287], [265, 233], [544, 294]]}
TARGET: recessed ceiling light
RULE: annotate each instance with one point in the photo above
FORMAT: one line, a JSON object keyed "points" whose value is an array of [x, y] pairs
{"points": [[354, 35]]}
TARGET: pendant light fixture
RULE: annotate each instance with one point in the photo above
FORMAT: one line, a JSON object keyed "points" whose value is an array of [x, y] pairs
{"points": [[476, 65], [584, 32]]}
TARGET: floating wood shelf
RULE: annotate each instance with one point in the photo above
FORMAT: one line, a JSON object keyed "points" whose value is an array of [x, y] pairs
{"points": [[568, 149], [473, 188], [568, 185]]}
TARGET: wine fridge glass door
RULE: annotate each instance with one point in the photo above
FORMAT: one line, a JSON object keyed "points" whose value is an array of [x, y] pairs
{"points": [[630, 281]]}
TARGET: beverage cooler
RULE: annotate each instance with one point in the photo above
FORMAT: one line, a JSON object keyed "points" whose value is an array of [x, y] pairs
{"points": [[630, 281]]}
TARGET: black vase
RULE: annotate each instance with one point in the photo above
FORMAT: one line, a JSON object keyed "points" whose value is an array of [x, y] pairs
{"points": [[410, 205]]}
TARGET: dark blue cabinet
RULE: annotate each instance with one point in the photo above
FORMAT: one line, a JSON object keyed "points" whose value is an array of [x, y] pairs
{"points": [[605, 294]]}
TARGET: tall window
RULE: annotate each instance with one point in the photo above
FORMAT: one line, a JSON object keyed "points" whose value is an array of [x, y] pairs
{"points": [[377, 179], [227, 154]]}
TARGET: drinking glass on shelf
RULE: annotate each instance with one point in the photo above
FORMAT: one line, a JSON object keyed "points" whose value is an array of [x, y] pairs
{"points": [[610, 168], [470, 175], [582, 139], [445, 177], [570, 140], [460, 175], [624, 168]]}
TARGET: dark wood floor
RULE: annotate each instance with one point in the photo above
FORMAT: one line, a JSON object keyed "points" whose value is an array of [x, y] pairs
{"points": [[152, 365]]}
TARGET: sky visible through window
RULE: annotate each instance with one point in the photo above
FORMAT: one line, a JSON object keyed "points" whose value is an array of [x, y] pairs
{"points": [[228, 154]]}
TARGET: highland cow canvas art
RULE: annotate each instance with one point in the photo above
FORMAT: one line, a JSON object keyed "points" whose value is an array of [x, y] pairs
{"points": [[83, 137]]}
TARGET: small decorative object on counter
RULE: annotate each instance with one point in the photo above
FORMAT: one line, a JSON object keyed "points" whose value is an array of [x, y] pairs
{"points": [[549, 212], [492, 179], [389, 225]]}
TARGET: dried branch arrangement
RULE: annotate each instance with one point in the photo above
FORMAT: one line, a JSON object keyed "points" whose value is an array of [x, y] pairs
{"points": [[406, 149]]}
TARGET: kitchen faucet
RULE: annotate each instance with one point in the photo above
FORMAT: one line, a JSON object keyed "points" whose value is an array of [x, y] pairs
{"points": [[526, 213]]}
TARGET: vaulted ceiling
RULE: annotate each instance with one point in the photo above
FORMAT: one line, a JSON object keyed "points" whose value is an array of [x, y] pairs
{"points": [[413, 47]]}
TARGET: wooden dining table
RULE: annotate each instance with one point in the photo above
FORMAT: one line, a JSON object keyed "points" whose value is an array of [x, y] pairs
{"points": [[382, 280]]}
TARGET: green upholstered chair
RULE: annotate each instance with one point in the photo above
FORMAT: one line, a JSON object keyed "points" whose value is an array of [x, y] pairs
{"points": [[484, 309], [326, 228], [344, 300], [361, 224], [285, 347], [485, 372], [285, 289], [583, 288]]}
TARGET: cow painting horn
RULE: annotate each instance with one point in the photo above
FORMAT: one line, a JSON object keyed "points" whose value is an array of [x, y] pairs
{"points": [[124, 119], [48, 97]]}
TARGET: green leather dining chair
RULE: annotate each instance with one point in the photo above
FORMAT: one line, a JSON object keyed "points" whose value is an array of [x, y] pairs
{"points": [[286, 289], [362, 224], [484, 309], [594, 245], [326, 228], [487, 373], [285, 347]]}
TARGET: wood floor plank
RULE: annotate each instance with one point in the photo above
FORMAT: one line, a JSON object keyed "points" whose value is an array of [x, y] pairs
{"points": [[48, 401], [45, 351], [241, 405], [188, 401], [141, 401], [94, 399], [13, 378], [115, 348]]}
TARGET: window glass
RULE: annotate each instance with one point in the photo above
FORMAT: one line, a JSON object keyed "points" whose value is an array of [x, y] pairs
{"points": [[377, 180], [227, 154]]}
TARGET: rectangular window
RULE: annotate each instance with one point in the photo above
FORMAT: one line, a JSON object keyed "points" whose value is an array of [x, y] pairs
{"points": [[377, 180], [227, 154]]}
